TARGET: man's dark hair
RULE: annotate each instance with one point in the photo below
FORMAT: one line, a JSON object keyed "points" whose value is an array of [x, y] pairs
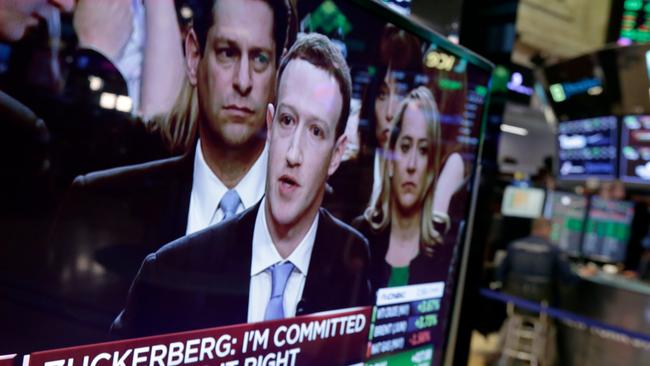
{"points": [[285, 22], [319, 51]]}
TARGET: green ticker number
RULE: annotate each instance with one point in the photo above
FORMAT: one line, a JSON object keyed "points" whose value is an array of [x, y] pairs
{"points": [[426, 321], [427, 306]]}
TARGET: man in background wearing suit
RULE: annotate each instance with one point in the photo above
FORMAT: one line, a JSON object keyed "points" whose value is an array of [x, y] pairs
{"points": [[117, 216], [286, 255]]}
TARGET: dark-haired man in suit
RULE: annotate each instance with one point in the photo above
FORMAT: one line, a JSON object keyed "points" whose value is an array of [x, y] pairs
{"points": [[286, 255]]}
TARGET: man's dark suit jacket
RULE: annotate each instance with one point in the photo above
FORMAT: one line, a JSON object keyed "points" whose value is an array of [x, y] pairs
{"points": [[202, 280], [114, 218]]}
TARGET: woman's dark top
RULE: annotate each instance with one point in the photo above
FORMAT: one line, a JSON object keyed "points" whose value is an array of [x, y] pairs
{"points": [[422, 269]]}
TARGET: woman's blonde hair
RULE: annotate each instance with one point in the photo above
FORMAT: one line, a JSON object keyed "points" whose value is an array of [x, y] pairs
{"points": [[378, 212], [178, 128]]}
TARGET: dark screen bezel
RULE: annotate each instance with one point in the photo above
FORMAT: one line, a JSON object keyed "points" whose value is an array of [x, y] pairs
{"points": [[378, 9]]}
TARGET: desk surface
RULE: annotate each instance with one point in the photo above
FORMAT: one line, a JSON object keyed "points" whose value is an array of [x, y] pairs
{"points": [[630, 284]]}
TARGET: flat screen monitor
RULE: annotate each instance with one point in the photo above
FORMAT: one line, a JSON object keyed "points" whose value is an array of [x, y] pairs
{"points": [[607, 230], [581, 87], [631, 26], [611, 80], [568, 212], [587, 148], [522, 202], [635, 149], [261, 230]]}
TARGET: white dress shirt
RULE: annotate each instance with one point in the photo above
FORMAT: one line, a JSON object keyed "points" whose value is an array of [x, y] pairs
{"points": [[130, 60], [264, 256], [207, 191]]}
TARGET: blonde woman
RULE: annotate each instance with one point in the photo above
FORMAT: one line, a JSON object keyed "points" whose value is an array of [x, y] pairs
{"points": [[178, 128], [400, 223]]}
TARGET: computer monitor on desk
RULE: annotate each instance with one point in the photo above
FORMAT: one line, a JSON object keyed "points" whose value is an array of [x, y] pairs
{"points": [[568, 213], [634, 156], [523, 202], [607, 230], [587, 148]]}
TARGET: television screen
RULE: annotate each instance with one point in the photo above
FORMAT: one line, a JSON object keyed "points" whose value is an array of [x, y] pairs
{"points": [[568, 217], [612, 80], [251, 222], [582, 87], [631, 27], [635, 149], [587, 148], [607, 230], [522, 202]]}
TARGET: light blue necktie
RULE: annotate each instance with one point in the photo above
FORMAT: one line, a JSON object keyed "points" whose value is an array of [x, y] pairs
{"points": [[229, 203], [280, 274]]}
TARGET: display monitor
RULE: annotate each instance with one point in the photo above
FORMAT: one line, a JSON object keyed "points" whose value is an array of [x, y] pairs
{"points": [[632, 27], [610, 80], [582, 87], [267, 234], [587, 148], [568, 212], [607, 230], [522, 202], [635, 149]]}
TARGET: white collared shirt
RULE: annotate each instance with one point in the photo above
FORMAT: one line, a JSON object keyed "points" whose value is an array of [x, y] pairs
{"points": [[207, 191], [266, 255]]}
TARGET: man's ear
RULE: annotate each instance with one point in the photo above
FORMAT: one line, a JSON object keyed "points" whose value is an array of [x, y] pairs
{"points": [[270, 113], [337, 155], [192, 56]]}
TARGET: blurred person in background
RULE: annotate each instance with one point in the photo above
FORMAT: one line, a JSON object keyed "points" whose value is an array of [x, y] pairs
{"points": [[24, 136], [142, 39], [127, 68], [23, 132], [533, 267], [24, 163], [402, 230], [83, 74], [16, 17]]}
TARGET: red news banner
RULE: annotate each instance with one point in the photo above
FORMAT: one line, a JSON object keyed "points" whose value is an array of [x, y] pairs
{"points": [[7, 360], [332, 338]]}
